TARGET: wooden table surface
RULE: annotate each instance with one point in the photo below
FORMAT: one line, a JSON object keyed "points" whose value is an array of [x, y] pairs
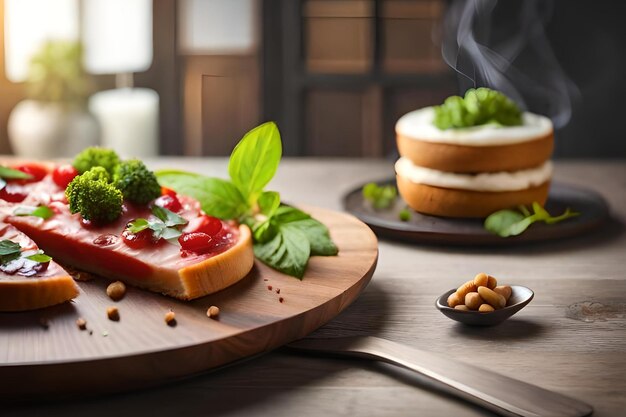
{"points": [[571, 338]]}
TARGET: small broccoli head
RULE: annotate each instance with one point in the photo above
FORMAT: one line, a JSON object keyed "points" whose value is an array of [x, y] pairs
{"points": [[136, 182], [91, 195], [96, 157]]}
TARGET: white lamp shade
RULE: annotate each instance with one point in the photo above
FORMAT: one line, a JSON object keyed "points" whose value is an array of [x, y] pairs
{"points": [[117, 35], [28, 24]]}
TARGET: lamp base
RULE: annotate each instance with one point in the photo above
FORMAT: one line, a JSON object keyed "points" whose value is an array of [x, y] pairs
{"points": [[129, 118], [45, 130]]}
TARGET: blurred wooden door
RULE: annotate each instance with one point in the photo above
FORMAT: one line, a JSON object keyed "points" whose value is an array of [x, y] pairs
{"points": [[339, 73]]}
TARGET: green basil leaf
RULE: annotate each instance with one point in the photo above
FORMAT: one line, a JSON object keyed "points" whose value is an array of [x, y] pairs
{"points": [[218, 198], [254, 160], [506, 223], [287, 214], [8, 247], [170, 233], [158, 228], [13, 174], [5, 259], [317, 234], [42, 211], [287, 252], [269, 202], [138, 225], [168, 217], [40, 258], [264, 231]]}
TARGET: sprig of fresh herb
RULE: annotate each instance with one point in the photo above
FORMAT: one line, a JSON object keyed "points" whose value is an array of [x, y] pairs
{"points": [[10, 251], [505, 223], [480, 106], [284, 237], [380, 196], [44, 212], [167, 224], [11, 174]]}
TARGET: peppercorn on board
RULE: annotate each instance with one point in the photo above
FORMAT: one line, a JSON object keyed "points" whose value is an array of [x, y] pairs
{"points": [[44, 353]]}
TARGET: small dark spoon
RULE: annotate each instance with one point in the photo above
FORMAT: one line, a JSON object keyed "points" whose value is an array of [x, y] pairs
{"points": [[520, 296]]}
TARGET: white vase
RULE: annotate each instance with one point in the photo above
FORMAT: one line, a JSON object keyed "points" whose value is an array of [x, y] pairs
{"points": [[45, 130]]}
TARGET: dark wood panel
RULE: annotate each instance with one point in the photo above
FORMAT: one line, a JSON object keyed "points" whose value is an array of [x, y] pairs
{"points": [[343, 123], [220, 101], [338, 36]]}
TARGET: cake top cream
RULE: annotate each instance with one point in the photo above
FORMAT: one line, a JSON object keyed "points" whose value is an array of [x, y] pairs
{"points": [[419, 125], [493, 182]]}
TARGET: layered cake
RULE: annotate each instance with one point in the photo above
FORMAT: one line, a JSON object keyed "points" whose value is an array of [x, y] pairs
{"points": [[473, 156]]}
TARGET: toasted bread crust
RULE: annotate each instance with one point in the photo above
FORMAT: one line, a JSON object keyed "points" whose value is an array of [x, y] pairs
{"points": [[448, 202], [35, 293], [472, 159], [220, 271]]}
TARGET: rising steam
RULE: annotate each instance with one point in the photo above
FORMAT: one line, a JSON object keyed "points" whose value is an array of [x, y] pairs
{"points": [[510, 54]]}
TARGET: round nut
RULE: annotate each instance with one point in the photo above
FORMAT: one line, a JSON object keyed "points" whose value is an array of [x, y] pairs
{"points": [[113, 314], [116, 290], [492, 282], [81, 323], [485, 308], [473, 300], [213, 311], [481, 280], [462, 307], [494, 299], [504, 290], [170, 318], [454, 300]]}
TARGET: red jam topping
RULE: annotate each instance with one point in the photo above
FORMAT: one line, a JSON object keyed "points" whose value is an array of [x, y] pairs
{"points": [[13, 194], [105, 240], [209, 225], [36, 171], [169, 202], [201, 243], [138, 240], [63, 175]]}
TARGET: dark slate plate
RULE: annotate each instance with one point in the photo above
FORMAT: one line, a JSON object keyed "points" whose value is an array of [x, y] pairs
{"points": [[431, 229]]}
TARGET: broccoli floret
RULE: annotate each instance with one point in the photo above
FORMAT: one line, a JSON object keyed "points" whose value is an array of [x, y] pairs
{"points": [[96, 157], [91, 195], [136, 182]]}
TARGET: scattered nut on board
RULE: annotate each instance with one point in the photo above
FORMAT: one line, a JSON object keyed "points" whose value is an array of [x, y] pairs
{"points": [[81, 323], [480, 294], [116, 290], [113, 314], [213, 311], [170, 318]]}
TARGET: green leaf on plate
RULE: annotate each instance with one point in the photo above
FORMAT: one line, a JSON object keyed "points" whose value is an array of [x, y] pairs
{"points": [[13, 174], [43, 212], [218, 198], [40, 258], [254, 160]]}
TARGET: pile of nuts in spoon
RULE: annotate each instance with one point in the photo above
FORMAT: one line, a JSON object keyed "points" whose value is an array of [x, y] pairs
{"points": [[481, 294]]}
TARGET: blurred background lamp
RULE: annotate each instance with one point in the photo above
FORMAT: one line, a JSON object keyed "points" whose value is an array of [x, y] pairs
{"points": [[117, 35], [30, 23]]}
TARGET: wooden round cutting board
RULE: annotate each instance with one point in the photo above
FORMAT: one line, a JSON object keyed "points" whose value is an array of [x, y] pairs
{"points": [[44, 354]]}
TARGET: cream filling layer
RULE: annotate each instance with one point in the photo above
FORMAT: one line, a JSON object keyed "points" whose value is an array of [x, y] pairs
{"points": [[419, 125], [493, 182]]}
